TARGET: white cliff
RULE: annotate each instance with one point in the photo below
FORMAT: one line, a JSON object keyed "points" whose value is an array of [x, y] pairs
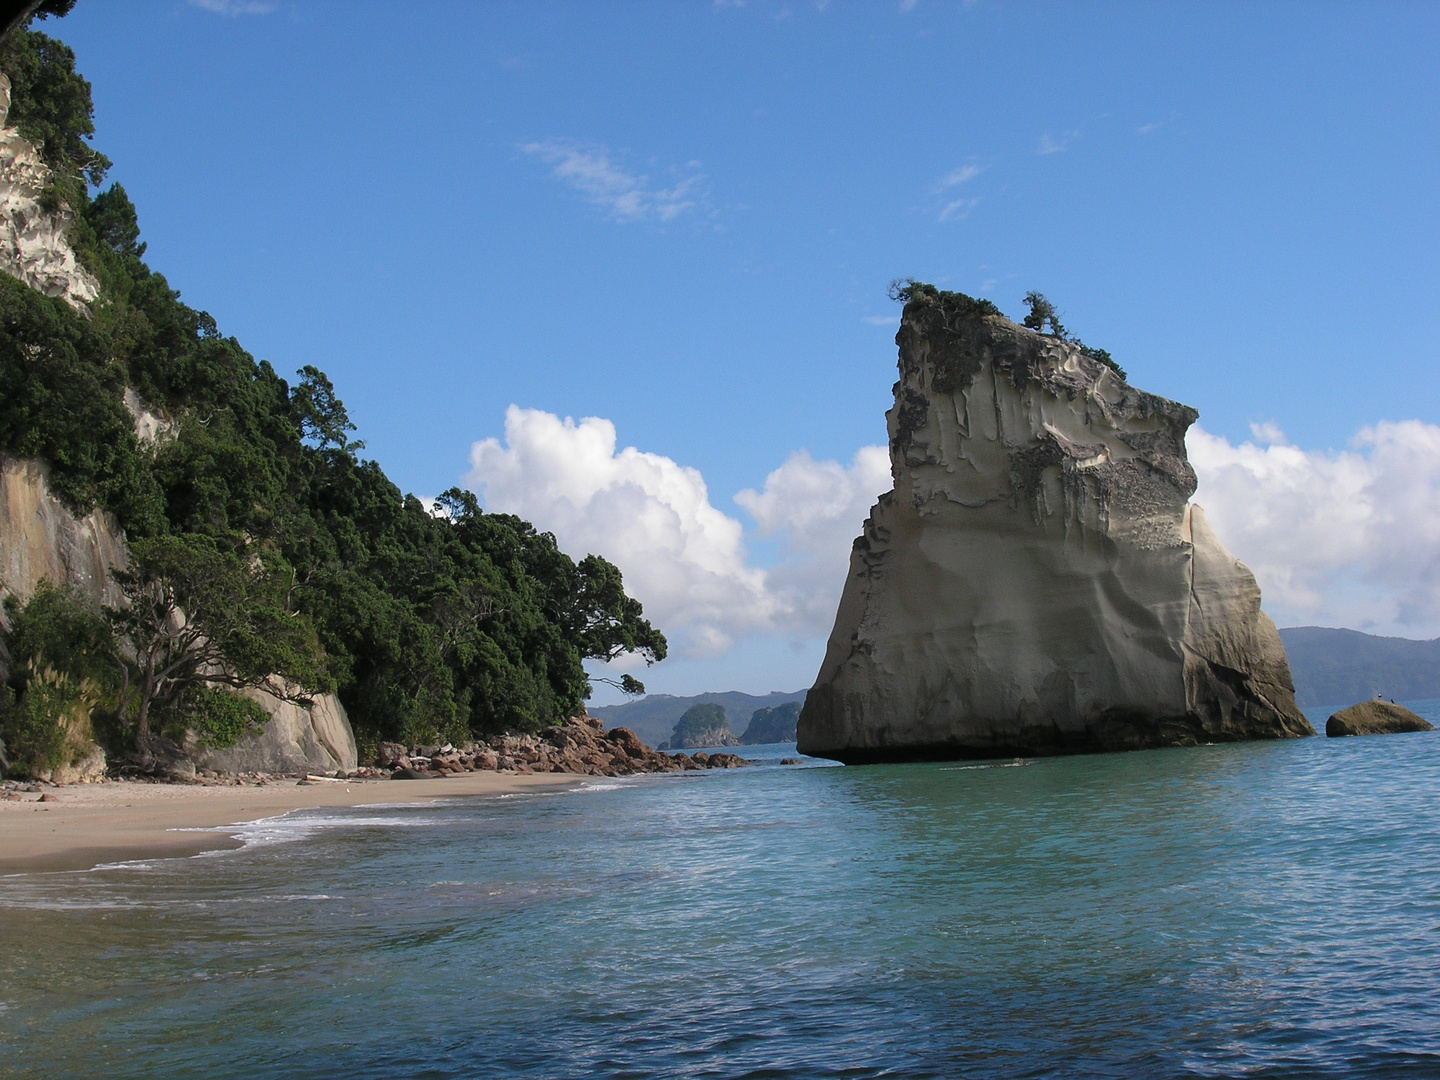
{"points": [[1037, 581], [33, 243]]}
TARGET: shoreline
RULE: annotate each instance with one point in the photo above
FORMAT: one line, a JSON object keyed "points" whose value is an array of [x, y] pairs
{"points": [[82, 826]]}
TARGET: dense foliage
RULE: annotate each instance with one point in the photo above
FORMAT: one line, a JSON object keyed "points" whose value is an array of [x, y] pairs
{"points": [[62, 667], [430, 625]]}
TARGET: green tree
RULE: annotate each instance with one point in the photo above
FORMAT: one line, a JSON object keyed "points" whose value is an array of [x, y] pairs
{"points": [[1042, 311], [198, 616], [50, 104]]}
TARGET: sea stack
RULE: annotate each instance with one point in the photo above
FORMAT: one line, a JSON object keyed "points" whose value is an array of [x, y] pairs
{"points": [[1037, 581]]}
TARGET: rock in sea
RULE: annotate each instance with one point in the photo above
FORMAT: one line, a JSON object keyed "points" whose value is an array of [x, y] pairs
{"points": [[1037, 581], [1375, 717]]}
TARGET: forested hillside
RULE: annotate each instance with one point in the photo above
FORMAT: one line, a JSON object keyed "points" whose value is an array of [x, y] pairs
{"points": [[428, 624], [1335, 667]]}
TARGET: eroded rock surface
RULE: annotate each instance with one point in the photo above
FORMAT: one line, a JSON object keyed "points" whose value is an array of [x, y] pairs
{"points": [[1375, 717], [41, 538], [296, 739], [33, 242], [1037, 580]]}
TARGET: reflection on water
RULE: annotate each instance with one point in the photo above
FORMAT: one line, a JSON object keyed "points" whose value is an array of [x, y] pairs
{"points": [[1265, 909]]}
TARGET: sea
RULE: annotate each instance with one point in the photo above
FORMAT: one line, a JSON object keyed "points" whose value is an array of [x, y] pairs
{"points": [[1256, 910]]}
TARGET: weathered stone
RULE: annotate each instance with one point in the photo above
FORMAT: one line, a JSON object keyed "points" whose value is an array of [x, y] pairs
{"points": [[34, 239], [1375, 717], [295, 739], [390, 754], [87, 769], [1037, 581]]}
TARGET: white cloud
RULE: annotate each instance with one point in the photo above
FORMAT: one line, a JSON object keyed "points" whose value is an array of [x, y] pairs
{"points": [[1339, 538], [626, 196], [882, 320], [1056, 144], [958, 209], [682, 558], [235, 7], [818, 507], [960, 175], [1345, 538], [685, 560]]}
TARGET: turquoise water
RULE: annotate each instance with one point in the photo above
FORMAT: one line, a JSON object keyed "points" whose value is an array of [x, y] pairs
{"points": [[1271, 910]]}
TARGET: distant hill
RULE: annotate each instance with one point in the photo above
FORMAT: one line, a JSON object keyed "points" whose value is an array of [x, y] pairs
{"points": [[1342, 667], [653, 717]]}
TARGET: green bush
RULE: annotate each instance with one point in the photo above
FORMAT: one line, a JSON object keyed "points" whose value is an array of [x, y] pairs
{"points": [[221, 718], [48, 725]]}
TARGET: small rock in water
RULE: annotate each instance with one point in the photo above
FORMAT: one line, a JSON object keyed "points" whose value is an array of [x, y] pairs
{"points": [[1375, 717]]}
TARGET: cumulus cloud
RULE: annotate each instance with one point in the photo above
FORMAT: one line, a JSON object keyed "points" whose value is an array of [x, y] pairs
{"points": [[683, 558], [625, 196], [1339, 538], [817, 507]]}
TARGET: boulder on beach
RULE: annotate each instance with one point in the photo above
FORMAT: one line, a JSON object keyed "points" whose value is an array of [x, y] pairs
{"points": [[1375, 717], [1037, 581]]}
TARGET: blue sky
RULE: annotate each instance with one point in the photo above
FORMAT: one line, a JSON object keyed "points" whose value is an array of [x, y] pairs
{"points": [[681, 218]]}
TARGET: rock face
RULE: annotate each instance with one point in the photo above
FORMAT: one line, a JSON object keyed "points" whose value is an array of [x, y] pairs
{"points": [[1375, 717], [1037, 581], [294, 740], [41, 538], [775, 725], [33, 244]]}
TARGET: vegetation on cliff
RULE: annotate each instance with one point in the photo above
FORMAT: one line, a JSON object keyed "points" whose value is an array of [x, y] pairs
{"points": [[775, 725], [941, 311], [431, 624], [702, 725]]}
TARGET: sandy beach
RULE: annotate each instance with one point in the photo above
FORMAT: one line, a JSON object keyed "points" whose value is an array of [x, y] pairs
{"points": [[83, 825]]}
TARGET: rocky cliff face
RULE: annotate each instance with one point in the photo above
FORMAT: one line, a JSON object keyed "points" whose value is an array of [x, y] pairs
{"points": [[33, 243], [41, 538], [1037, 581]]}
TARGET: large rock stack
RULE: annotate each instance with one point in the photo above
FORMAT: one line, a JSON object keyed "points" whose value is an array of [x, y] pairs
{"points": [[1037, 582]]}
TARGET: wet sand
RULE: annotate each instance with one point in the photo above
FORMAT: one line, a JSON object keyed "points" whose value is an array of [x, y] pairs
{"points": [[89, 824]]}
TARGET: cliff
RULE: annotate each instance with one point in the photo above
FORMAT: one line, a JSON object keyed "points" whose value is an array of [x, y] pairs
{"points": [[775, 725], [1037, 581], [40, 538]]}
